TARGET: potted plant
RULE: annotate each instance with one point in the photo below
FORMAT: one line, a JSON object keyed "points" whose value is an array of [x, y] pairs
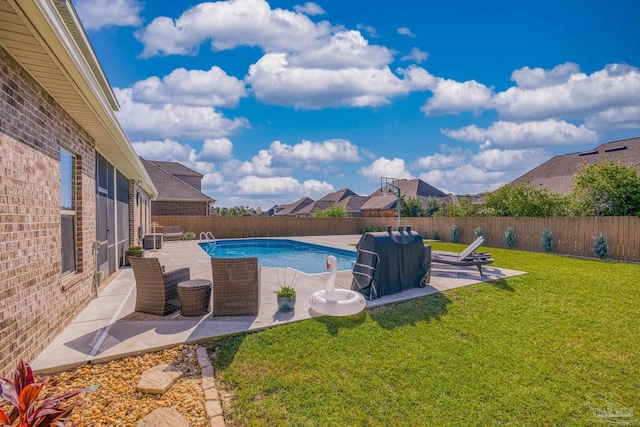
{"points": [[286, 298], [133, 251], [286, 295]]}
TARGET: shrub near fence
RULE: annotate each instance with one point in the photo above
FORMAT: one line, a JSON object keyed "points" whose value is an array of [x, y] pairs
{"points": [[572, 235]]}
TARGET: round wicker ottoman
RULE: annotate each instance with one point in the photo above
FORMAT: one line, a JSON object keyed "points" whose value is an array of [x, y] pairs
{"points": [[194, 296]]}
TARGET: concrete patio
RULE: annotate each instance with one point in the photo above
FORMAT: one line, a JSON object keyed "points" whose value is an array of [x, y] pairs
{"points": [[108, 328]]}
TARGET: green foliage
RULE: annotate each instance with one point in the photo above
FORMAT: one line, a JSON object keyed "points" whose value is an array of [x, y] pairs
{"points": [[548, 240], [425, 234], [135, 248], [480, 232], [189, 235], [436, 235], [523, 200], [431, 208], [22, 394], [601, 246], [411, 207], [286, 292], [606, 189], [333, 211], [509, 237], [370, 229], [454, 234]]}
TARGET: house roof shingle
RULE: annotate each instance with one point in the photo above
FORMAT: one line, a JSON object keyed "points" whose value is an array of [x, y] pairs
{"points": [[413, 188], [556, 174], [175, 168], [172, 189], [293, 208]]}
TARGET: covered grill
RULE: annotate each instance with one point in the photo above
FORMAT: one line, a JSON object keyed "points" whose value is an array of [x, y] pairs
{"points": [[390, 262]]}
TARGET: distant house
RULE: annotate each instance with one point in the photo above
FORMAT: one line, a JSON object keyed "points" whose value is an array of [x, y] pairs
{"points": [[178, 189], [556, 174], [292, 209], [326, 201], [384, 204]]}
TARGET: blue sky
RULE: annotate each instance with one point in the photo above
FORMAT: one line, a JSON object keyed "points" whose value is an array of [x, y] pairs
{"points": [[273, 101]]}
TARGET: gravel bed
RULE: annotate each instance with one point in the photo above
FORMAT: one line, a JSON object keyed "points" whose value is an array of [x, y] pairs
{"points": [[116, 403]]}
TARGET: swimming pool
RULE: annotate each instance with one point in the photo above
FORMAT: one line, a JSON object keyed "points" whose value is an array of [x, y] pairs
{"points": [[305, 257]]}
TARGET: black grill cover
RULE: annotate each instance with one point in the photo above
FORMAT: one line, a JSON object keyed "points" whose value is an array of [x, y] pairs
{"points": [[390, 262]]}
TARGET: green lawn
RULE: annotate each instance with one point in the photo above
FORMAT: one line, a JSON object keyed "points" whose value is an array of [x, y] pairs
{"points": [[545, 348]]}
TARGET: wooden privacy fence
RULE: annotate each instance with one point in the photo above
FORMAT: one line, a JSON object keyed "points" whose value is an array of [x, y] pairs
{"points": [[572, 236]]}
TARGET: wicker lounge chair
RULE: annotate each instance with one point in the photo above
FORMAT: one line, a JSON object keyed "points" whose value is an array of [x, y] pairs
{"points": [[236, 286], [468, 257], [156, 291]]}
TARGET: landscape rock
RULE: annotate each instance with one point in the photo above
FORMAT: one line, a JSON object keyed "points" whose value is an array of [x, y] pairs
{"points": [[158, 379], [164, 417]]}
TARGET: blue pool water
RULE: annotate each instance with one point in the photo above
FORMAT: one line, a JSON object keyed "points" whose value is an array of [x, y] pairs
{"points": [[306, 257]]}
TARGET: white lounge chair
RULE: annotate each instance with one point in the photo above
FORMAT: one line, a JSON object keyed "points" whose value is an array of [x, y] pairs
{"points": [[465, 258]]}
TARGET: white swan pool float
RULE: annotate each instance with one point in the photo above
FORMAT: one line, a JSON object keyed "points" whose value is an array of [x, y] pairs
{"points": [[336, 302]]}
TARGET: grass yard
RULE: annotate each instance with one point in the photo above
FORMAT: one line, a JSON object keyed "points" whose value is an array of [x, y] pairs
{"points": [[546, 348]]}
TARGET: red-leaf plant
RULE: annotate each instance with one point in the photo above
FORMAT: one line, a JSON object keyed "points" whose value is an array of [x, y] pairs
{"points": [[23, 393]]}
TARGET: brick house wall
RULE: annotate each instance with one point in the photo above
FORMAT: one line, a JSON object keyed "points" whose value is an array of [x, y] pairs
{"points": [[36, 303], [179, 208], [139, 214]]}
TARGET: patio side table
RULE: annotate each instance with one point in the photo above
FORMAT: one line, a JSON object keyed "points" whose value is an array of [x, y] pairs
{"points": [[194, 296]]}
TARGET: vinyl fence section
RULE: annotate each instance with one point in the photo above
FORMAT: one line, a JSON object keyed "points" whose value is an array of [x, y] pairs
{"points": [[572, 236]]}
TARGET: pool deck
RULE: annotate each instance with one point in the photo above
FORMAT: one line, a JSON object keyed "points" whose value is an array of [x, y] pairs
{"points": [[108, 328]]}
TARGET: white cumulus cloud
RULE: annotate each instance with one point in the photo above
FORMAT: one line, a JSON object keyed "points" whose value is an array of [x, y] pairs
{"points": [[216, 149], [394, 168], [330, 151], [275, 81], [615, 118], [450, 97], [309, 8], [538, 133], [531, 78], [229, 24], [405, 32], [415, 55], [97, 14], [212, 88], [282, 185], [173, 120], [168, 150], [579, 96]]}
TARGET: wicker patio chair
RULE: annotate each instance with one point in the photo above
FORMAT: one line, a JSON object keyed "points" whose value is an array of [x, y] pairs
{"points": [[236, 286], [156, 291]]}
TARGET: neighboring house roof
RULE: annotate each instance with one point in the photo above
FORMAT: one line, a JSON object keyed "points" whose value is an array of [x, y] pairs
{"points": [[336, 196], [293, 208], [556, 174], [318, 205], [48, 40], [175, 168], [380, 202], [353, 203], [413, 188], [172, 189]]}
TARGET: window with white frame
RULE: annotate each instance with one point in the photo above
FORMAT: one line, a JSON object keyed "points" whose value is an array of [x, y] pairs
{"points": [[68, 210]]}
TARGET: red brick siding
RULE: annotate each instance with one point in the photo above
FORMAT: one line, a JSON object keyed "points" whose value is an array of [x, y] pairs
{"points": [[36, 303]]}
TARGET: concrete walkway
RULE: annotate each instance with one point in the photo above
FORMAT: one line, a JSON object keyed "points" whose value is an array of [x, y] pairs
{"points": [[108, 328]]}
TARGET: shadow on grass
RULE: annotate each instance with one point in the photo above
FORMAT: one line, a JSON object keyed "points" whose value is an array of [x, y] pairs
{"points": [[334, 324], [501, 284], [430, 307]]}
